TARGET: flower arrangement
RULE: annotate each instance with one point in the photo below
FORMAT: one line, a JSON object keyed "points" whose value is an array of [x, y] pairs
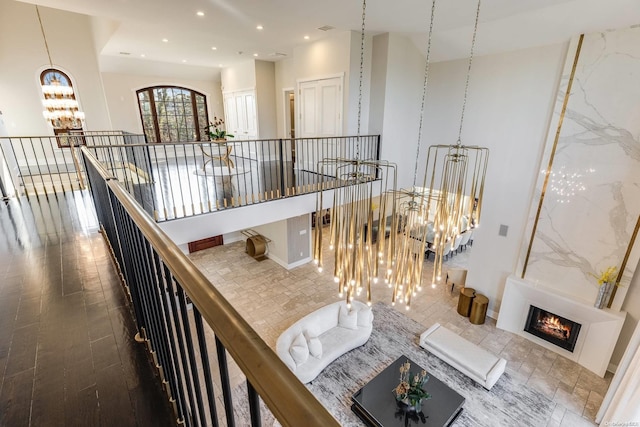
{"points": [[607, 276], [218, 133], [410, 390]]}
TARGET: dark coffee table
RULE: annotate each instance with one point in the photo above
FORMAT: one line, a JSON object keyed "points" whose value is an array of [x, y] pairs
{"points": [[376, 404]]}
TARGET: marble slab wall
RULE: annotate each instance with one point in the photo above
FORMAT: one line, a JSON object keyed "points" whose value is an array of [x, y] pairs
{"points": [[591, 200]]}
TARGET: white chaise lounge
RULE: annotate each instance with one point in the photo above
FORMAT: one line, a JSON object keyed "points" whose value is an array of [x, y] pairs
{"points": [[313, 342], [473, 361]]}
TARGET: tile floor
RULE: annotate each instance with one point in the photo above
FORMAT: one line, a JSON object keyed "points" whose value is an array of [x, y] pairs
{"points": [[272, 298]]}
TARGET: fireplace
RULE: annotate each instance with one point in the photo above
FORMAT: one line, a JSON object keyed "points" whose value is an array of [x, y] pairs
{"points": [[552, 328]]}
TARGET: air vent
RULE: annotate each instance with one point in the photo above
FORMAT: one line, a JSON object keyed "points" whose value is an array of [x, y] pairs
{"points": [[125, 53], [277, 55], [326, 28]]}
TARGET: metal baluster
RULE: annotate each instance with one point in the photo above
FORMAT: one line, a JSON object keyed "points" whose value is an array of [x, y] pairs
{"points": [[224, 379], [254, 405], [186, 330], [206, 366]]}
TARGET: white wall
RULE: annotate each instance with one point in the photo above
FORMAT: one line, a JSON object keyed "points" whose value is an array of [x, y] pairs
{"points": [[380, 49], [239, 77], [509, 107], [266, 98], [284, 79], [399, 104], [23, 57], [277, 247], [120, 91], [326, 57]]}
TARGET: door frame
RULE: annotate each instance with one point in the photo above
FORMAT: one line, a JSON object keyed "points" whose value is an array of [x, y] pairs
{"points": [[285, 109]]}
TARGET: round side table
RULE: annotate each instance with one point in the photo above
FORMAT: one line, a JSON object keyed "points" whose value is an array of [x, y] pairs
{"points": [[464, 301], [479, 309]]}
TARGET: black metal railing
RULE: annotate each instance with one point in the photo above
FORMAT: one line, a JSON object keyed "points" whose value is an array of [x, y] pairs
{"points": [[176, 309], [175, 180], [40, 165]]}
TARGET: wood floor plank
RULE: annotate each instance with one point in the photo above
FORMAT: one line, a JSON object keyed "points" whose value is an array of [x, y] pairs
{"points": [[81, 408], [15, 399], [22, 352], [60, 358], [115, 406]]}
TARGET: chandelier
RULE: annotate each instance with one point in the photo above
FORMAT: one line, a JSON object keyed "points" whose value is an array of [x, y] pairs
{"points": [[414, 211], [363, 218], [454, 189], [61, 108]]}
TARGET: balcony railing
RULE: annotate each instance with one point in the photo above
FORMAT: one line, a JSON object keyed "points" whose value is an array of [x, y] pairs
{"points": [[175, 180], [176, 309]]}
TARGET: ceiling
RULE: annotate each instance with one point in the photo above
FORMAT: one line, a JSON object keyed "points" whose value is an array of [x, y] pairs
{"points": [[132, 30]]}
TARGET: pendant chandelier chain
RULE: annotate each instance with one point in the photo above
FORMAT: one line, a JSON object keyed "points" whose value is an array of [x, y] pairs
{"points": [[46, 45], [424, 92], [364, 14], [466, 86]]}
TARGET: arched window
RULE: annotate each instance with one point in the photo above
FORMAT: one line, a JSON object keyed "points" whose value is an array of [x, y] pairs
{"points": [[173, 114], [61, 108]]}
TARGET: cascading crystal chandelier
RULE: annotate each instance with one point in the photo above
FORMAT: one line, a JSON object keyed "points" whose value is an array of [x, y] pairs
{"points": [[61, 108], [363, 218], [455, 189], [413, 213]]}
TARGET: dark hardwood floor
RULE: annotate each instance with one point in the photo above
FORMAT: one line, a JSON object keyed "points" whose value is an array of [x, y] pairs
{"points": [[67, 351]]}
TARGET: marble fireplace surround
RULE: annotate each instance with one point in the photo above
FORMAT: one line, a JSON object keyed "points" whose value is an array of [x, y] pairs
{"points": [[598, 334]]}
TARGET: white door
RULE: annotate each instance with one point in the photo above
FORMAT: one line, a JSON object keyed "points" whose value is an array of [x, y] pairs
{"points": [[240, 114], [320, 115]]}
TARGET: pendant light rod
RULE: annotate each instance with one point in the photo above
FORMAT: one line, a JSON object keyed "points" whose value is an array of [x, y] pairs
{"points": [[466, 86], [46, 45], [424, 92], [362, 27]]}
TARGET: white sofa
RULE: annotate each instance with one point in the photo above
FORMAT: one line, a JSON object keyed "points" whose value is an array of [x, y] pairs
{"points": [[313, 342], [473, 361]]}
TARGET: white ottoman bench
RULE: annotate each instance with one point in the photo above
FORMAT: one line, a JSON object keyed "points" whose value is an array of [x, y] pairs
{"points": [[473, 361]]}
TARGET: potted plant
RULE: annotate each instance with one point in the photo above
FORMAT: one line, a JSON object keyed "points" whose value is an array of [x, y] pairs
{"points": [[410, 391], [606, 281], [216, 131]]}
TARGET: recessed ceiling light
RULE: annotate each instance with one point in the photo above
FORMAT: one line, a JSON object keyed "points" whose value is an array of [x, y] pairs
{"points": [[214, 48], [200, 13], [184, 60], [142, 55], [255, 54], [165, 40], [306, 37], [259, 27], [220, 65]]}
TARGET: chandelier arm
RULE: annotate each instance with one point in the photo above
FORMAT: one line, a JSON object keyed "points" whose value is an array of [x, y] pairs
{"points": [[466, 86], [424, 92]]}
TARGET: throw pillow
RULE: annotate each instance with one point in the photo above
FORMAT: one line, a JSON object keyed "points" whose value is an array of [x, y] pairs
{"points": [[365, 317], [348, 318], [299, 349], [315, 346]]}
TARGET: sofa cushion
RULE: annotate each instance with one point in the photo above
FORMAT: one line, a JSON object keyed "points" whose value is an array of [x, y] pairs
{"points": [[348, 318], [315, 346], [365, 317], [299, 349]]}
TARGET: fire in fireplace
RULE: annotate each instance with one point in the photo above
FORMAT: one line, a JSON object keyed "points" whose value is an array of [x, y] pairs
{"points": [[552, 328]]}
